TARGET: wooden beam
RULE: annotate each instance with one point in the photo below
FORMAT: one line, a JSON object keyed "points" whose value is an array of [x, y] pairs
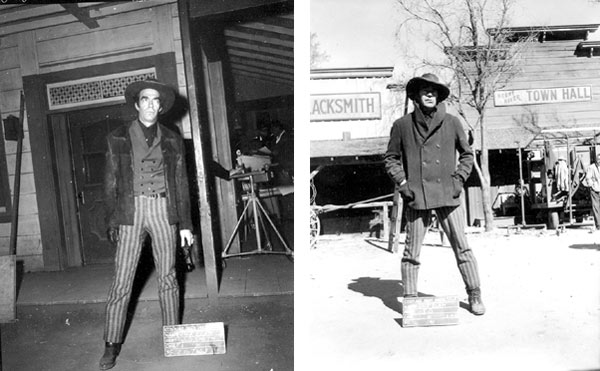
{"points": [[46, 195], [206, 222], [82, 15], [265, 27], [263, 77], [214, 7], [259, 37], [27, 17], [234, 52], [214, 81], [284, 76], [282, 52]]}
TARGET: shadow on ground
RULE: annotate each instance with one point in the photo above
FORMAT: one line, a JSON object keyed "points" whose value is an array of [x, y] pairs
{"points": [[587, 246], [386, 290]]}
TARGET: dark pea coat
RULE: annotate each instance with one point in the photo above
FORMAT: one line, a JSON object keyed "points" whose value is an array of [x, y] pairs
{"points": [[118, 177], [434, 159]]}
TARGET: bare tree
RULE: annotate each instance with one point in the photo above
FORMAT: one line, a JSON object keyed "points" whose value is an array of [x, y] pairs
{"points": [[317, 56], [478, 51]]}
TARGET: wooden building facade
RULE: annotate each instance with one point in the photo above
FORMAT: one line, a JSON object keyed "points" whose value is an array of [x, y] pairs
{"points": [[557, 87], [351, 111], [230, 63]]}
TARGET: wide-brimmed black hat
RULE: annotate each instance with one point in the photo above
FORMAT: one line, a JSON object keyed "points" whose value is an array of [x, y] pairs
{"points": [[167, 94], [415, 84]]}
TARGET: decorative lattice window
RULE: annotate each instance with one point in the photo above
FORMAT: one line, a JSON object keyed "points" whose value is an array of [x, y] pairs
{"points": [[101, 89]]}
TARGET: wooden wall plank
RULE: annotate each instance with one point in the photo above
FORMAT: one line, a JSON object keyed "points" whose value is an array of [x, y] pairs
{"points": [[26, 164], [29, 225], [27, 183], [10, 79], [28, 58], [107, 22], [162, 27], [26, 246], [10, 146], [10, 102], [97, 60], [9, 41], [9, 59], [29, 18], [94, 44], [25, 13]]}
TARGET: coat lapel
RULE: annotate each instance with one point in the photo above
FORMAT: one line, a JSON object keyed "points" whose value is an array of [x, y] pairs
{"points": [[425, 131]]}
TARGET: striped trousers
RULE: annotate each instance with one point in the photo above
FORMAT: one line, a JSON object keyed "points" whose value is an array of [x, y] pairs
{"points": [[151, 217], [452, 220]]}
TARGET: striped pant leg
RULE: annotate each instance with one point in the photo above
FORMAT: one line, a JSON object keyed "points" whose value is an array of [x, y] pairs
{"points": [[127, 256], [417, 223], [164, 242], [452, 220]]}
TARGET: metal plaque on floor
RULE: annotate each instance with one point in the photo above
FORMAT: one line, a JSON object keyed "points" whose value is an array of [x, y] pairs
{"points": [[194, 339], [430, 311]]}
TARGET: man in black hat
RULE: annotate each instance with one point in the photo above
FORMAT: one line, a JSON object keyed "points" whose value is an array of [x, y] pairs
{"points": [[146, 193], [422, 160]]}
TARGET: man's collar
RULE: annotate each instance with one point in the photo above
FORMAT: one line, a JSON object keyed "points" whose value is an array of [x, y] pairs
{"points": [[429, 113]]}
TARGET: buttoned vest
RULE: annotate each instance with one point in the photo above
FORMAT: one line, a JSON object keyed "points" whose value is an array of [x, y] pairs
{"points": [[148, 165]]}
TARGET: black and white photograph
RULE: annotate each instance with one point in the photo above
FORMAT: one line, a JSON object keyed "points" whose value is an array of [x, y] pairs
{"points": [[147, 185], [454, 205], [448, 161]]}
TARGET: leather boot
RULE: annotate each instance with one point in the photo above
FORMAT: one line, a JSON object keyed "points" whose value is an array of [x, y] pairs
{"points": [[109, 359], [475, 302]]}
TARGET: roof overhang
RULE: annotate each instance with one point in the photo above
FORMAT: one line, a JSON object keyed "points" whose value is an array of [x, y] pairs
{"points": [[581, 31], [351, 73]]}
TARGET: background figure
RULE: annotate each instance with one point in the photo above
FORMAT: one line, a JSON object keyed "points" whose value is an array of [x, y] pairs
{"points": [[592, 180], [282, 152], [153, 199], [561, 178], [421, 159]]}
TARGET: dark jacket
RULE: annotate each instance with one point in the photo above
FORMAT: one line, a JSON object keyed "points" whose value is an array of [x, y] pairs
{"points": [[283, 151], [425, 155], [118, 178]]}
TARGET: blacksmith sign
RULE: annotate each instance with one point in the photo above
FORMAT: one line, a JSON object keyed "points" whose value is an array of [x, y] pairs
{"points": [[336, 107], [542, 96]]}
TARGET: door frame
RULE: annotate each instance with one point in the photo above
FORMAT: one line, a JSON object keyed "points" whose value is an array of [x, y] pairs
{"points": [[59, 241]]}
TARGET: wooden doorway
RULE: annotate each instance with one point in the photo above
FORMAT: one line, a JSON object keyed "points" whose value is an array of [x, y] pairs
{"points": [[86, 131]]}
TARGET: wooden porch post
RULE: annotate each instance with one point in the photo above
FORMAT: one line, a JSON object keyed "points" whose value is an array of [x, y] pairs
{"points": [[206, 223]]}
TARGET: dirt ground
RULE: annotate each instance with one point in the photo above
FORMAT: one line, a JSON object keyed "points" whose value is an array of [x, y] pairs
{"points": [[541, 290], [259, 337]]}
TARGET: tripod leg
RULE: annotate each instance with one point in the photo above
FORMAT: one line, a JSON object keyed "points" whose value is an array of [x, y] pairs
{"points": [[235, 231], [268, 245], [275, 228], [254, 201]]}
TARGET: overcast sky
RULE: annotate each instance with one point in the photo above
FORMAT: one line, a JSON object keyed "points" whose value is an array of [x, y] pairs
{"points": [[358, 33]]}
